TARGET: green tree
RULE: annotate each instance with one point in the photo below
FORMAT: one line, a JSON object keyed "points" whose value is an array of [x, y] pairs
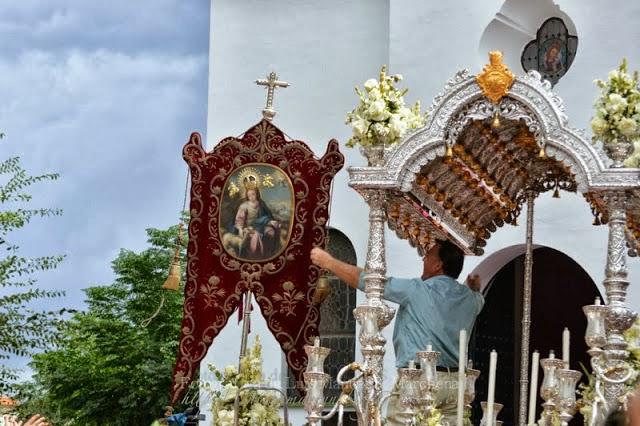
{"points": [[108, 368], [23, 329]]}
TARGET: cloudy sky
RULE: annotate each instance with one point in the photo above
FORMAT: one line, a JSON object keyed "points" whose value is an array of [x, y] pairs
{"points": [[106, 94]]}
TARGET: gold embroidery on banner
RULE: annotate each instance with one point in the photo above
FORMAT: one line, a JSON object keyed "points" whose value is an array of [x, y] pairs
{"points": [[288, 299], [211, 293], [496, 79]]}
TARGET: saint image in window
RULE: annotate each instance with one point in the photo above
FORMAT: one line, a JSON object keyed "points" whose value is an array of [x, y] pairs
{"points": [[552, 57]]}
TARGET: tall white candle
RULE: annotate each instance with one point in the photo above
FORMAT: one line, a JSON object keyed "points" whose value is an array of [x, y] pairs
{"points": [[565, 346], [462, 362], [533, 387], [493, 361]]}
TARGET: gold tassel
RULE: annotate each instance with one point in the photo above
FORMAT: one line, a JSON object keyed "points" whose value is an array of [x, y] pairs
{"points": [[449, 151], [556, 193], [173, 280], [496, 121], [323, 289], [542, 154]]}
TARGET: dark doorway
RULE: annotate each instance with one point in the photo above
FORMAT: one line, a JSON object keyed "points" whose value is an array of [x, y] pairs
{"points": [[560, 289]]}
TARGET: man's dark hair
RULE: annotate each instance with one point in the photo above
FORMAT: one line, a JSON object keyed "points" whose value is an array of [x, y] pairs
{"points": [[452, 258]]}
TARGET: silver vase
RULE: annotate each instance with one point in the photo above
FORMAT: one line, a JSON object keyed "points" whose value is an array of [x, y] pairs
{"points": [[619, 151], [374, 154]]}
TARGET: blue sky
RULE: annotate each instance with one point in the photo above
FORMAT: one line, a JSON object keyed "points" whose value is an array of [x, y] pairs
{"points": [[106, 94]]}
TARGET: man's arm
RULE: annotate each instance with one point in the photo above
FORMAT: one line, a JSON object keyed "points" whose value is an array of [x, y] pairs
{"points": [[347, 273], [473, 282]]}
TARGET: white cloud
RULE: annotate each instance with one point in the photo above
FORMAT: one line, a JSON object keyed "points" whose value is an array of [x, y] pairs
{"points": [[106, 94]]}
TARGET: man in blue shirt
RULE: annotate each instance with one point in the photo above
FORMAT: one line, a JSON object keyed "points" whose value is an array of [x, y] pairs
{"points": [[432, 310]]}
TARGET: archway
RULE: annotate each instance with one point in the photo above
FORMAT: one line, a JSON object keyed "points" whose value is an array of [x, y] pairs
{"points": [[560, 288]]}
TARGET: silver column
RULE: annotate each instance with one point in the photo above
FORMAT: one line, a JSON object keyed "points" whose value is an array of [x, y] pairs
{"points": [[526, 314], [619, 318], [374, 314]]}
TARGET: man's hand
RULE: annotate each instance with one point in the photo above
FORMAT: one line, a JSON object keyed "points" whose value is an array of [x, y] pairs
{"points": [[634, 409], [35, 420], [320, 258], [473, 282]]}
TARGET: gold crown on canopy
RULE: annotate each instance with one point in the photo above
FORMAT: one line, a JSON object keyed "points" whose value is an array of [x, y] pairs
{"points": [[496, 79]]}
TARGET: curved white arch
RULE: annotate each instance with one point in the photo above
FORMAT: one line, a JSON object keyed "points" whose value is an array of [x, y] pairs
{"points": [[490, 266]]}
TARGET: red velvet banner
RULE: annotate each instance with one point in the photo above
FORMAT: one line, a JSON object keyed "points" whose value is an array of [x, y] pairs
{"points": [[259, 204]]}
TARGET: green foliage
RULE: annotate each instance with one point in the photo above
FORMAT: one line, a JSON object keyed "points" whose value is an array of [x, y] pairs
{"points": [[23, 329], [109, 369]]}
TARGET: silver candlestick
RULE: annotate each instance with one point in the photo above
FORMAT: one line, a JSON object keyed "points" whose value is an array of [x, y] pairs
{"points": [[496, 410], [470, 387], [410, 397], [596, 339], [315, 380], [566, 402], [429, 383], [550, 387]]}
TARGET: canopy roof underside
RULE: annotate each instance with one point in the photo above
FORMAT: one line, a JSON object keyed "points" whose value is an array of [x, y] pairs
{"points": [[465, 197]]}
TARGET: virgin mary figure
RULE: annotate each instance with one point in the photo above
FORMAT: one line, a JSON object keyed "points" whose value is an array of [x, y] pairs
{"points": [[256, 230]]}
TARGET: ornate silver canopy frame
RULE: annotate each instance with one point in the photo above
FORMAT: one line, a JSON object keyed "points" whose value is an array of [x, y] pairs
{"points": [[460, 177]]}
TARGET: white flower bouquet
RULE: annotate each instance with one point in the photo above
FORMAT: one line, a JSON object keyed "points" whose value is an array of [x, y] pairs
{"points": [[617, 110], [255, 408], [435, 418], [381, 117]]}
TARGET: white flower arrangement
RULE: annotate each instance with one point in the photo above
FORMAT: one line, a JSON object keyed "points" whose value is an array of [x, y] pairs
{"points": [[587, 392], [435, 418], [255, 408], [617, 111], [381, 118], [634, 158]]}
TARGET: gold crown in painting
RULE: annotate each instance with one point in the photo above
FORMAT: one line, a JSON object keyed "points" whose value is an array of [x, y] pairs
{"points": [[249, 178]]}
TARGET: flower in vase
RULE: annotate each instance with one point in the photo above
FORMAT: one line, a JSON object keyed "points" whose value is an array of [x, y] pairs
{"points": [[617, 108], [627, 127], [634, 161], [381, 117], [254, 408], [599, 124], [230, 370], [225, 417]]}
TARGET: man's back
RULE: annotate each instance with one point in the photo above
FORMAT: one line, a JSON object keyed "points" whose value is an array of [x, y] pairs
{"points": [[433, 312]]}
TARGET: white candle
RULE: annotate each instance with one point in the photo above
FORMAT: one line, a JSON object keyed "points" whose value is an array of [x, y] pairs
{"points": [[493, 361], [316, 341], [429, 348], [565, 346], [533, 387], [462, 361]]}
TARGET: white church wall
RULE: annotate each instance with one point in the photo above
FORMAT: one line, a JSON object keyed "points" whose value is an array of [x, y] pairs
{"points": [[325, 48]]}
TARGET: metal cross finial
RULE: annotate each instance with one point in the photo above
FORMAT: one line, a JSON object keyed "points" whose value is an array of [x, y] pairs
{"points": [[271, 83]]}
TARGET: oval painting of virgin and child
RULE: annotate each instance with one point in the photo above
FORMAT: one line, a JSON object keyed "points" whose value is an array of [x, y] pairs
{"points": [[256, 212]]}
